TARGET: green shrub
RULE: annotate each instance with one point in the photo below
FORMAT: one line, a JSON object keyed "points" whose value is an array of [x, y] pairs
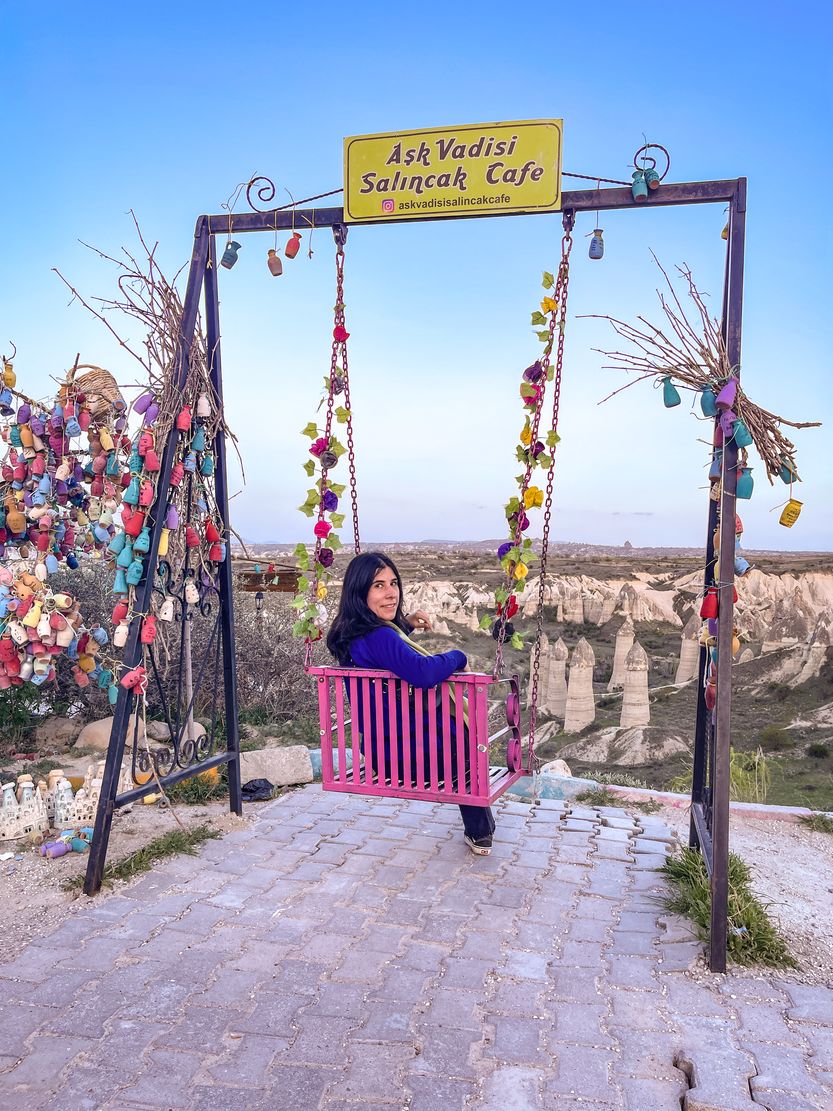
{"points": [[818, 751], [774, 738]]}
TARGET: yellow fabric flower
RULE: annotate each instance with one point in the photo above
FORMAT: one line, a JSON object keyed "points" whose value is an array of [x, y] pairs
{"points": [[321, 592], [526, 434], [533, 497], [521, 570], [549, 304]]}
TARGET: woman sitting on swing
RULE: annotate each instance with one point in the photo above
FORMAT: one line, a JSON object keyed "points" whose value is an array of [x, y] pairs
{"points": [[371, 631]]}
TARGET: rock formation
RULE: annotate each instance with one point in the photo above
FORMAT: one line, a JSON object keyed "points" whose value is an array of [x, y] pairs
{"points": [[581, 707], [689, 651], [816, 651], [635, 708], [627, 747], [556, 686], [624, 641]]}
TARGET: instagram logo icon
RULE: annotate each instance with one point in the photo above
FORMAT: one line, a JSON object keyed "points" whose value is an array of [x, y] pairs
{"points": [[387, 205]]}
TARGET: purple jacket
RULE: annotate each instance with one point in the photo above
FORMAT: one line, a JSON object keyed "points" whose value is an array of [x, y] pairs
{"points": [[385, 650]]}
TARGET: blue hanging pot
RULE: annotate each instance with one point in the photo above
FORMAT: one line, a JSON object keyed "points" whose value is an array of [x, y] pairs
{"points": [[707, 405], [639, 189], [230, 254], [741, 566], [198, 442], [745, 484], [787, 472], [670, 393], [207, 467], [716, 466], [117, 543], [131, 494], [120, 585], [125, 556], [112, 694], [597, 247], [142, 541], [743, 437], [134, 572]]}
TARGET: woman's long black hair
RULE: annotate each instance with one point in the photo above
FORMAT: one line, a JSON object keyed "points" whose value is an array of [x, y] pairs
{"points": [[354, 618]]}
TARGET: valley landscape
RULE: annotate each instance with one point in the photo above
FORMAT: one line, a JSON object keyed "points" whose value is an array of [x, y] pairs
{"points": [[783, 674]]}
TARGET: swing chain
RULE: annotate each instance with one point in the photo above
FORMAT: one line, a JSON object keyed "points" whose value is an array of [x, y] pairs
{"points": [[562, 286]]}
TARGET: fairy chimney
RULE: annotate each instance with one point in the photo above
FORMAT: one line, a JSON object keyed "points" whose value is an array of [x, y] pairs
{"points": [[556, 687], [635, 708], [624, 641], [581, 707], [689, 651]]}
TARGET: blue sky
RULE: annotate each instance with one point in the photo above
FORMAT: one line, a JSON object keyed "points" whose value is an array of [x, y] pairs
{"points": [[165, 108]]}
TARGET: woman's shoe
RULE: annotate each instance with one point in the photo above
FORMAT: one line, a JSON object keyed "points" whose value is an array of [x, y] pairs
{"points": [[481, 847]]}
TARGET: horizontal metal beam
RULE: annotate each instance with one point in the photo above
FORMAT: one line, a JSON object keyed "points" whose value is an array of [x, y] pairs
{"points": [[151, 786], [582, 200]]}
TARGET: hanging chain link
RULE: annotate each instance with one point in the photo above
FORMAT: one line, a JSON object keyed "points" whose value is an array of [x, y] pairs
{"points": [[339, 382], [562, 285], [557, 318]]}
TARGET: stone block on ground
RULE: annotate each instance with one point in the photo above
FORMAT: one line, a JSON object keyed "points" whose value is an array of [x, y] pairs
{"points": [[281, 766]]}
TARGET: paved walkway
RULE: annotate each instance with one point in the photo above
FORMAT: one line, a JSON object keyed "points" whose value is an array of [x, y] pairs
{"points": [[344, 953]]}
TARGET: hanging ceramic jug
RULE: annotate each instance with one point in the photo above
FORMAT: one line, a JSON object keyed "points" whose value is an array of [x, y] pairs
{"points": [[787, 472], [293, 246], [639, 188], [716, 466], [745, 484], [166, 610], [230, 254], [743, 437], [203, 406], [597, 247], [670, 394], [274, 263], [790, 512], [120, 635], [726, 398], [192, 594]]}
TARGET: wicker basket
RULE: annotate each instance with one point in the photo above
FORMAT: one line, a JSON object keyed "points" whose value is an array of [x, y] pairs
{"points": [[98, 387]]}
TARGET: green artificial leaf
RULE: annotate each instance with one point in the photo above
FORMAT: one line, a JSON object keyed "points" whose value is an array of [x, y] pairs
{"points": [[486, 621], [527, 544], [549, 280], [337, 488], [512, 506], [517, 641], [298, 602], [527, 390], [300, 551], [327, 382], [299, 629], [544, 461], [337, 519], [544, 337], [550, 373], [522, 454], [538, 318], [303, 584], [307, 510], [311, 430], [502, 594], [553, 438], [332, 542], [342, 414], [309, 467], [337, 447]]}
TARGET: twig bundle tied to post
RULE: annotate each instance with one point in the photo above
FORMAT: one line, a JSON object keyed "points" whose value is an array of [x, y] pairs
{"points": [[694, 356]]}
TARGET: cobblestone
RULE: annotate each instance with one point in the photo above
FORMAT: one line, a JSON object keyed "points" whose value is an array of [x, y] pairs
{"points": [[344, 953]]}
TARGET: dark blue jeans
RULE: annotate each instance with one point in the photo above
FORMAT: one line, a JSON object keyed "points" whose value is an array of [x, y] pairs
{"points": [[478, 821]]}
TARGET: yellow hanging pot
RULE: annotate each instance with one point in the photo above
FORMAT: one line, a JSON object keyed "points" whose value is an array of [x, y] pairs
{"points": [[790, 513]]}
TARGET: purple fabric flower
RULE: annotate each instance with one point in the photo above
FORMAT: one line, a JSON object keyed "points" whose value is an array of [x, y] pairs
{"points": [[536, 449], [534, 372], [329, 501], [504, 548], [325, 557]]}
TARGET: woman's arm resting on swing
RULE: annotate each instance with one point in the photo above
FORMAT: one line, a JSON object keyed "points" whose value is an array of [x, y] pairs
{"points": [[384, 649]]}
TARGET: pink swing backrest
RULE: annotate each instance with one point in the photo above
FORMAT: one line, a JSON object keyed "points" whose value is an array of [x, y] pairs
{"points": [[417, 774]]}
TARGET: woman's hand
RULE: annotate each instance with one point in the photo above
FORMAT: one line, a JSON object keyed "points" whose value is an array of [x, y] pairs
{"points": [[420, 621]]}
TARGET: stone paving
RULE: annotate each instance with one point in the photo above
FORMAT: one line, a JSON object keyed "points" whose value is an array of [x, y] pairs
{"points": [[343, 953]]}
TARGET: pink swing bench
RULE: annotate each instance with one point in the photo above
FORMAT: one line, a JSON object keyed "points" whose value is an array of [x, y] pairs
{"points": [[412, 767]]}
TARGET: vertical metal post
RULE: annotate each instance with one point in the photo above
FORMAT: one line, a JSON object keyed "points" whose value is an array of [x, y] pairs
{"points": [[155, 521], [726, 579], [224, 575]]}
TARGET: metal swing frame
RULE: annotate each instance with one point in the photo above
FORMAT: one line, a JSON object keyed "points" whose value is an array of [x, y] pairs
{"points": [[710, 783]]}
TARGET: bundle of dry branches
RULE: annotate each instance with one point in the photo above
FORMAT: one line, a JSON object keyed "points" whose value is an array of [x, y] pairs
{"points": [[695, 358]]}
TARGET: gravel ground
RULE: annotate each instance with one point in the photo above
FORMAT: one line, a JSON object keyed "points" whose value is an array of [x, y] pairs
{"points": [[792, 872]]}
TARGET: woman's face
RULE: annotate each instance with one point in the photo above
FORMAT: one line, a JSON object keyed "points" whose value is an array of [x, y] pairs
{"points": [[383, 596]]}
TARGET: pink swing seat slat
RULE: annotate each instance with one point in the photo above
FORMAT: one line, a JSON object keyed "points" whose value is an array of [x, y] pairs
{"points": [[414, 767]]}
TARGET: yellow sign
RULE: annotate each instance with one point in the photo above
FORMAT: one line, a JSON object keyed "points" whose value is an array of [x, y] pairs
{"points": [[476, 170]]}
